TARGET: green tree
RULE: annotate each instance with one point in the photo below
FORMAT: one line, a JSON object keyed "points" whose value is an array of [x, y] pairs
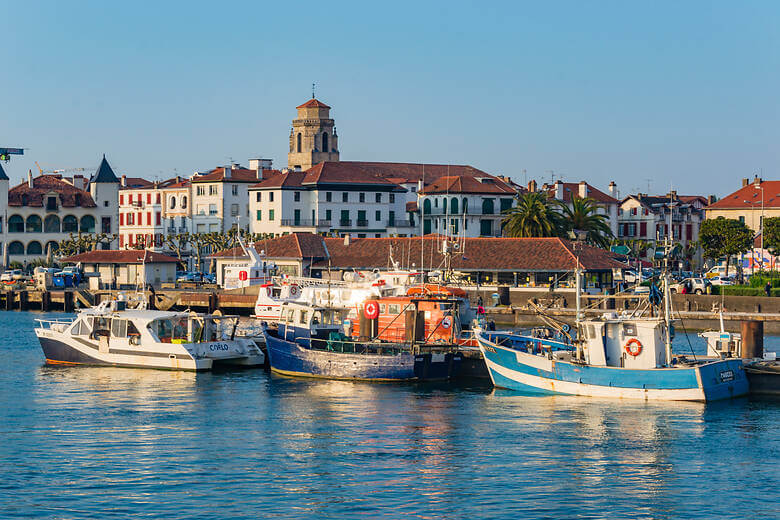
{"points": [[771, 229], [177, 243], [534, 215], [724, 237], [582, 214]]}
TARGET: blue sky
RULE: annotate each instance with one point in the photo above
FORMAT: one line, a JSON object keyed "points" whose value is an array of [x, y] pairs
{"points": [[680, 94]]}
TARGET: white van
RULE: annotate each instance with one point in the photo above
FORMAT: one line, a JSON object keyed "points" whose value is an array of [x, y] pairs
{"points": [[720, 270]]}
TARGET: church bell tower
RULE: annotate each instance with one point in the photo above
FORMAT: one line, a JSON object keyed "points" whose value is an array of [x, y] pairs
{"points": [[313, 136]]}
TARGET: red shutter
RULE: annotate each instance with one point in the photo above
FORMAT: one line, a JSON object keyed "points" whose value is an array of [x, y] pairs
{"points": [[148, 218], [121, 199], [130, 198], [643, 229], [148, 198], [121, 219], [688, 231], [121, 241], [157, 218], [158, 198]]}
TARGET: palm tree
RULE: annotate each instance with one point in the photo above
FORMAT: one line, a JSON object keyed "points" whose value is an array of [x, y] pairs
{"points": [[582, 214], [534, 215]]}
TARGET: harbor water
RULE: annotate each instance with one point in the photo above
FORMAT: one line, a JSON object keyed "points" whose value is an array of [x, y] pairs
{"points": [[81, 442]]}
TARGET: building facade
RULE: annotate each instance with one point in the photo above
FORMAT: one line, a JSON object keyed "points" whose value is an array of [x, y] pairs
{"points": [[313, 136], [607, 204], [44, 210], [750, 204]]}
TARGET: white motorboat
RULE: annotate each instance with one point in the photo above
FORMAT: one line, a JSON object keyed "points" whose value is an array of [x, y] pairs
{"points": [[112, 335]]}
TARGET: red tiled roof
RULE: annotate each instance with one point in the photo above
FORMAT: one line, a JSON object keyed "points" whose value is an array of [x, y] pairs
{"points": [[411, 172], [573, 189], [343, 172], [467, 184], [508, 254], [736, 200], [134, 183], [294, 245], [277, 179], [23, 195], [112, 256], [236, 175], [313, 103]]}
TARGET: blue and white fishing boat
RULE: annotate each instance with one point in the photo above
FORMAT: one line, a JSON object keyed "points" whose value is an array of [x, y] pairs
{"points": [[309, 341], [625, 356]]}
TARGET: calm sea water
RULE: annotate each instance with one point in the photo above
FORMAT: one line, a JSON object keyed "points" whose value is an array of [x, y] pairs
{"points": [[82, 442]]}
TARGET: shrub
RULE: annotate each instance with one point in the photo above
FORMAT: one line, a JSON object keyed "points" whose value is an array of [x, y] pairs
{"points": [[760, 280], [738, 290]]}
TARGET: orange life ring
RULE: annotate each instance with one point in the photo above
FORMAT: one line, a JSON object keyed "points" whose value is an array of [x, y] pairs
{"points": [[633, 347]]}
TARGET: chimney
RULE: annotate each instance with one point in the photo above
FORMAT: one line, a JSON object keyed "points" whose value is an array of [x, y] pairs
{"points": [[124, 181], [346, 239], [673, 194], [259, 165], [228, 170], [532, 186], [558, 190], [745, 182], [613, 191], [757, 181], [29, 179], [583, 189], [711, 199]]}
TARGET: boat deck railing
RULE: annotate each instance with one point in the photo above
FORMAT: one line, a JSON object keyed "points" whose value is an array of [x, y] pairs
{"points": [[361, 347], [57, 324]]}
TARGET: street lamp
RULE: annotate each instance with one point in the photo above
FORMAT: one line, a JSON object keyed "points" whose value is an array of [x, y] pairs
{"points": [[758, 186], [753, 242]]}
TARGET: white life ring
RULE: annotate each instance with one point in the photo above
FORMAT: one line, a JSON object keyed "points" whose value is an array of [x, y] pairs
{"points": [[446, 323], [294, 290]]}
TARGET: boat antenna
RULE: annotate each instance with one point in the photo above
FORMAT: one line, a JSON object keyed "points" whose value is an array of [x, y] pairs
{"points": [[667, 294], [421, 203]]}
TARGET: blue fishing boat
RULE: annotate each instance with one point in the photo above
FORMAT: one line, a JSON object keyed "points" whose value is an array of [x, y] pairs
{"points": [[309, 341], [625, 355]]}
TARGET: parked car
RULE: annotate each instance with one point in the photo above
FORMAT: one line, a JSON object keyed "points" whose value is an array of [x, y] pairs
{"points": [[210, 278], [11, 275], [692, 286], [722, 280], [190, 277]]}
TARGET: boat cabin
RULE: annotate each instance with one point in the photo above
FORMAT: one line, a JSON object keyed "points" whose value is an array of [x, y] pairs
{"points": [[305, 322], [410, 318], [616, 341]]}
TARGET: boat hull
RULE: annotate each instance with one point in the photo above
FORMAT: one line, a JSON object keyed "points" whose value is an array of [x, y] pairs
{"points": [[62, 352], [290, 358], [764, 378], [516, 370]]}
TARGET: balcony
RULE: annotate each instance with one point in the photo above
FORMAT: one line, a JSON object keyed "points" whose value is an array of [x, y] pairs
{"points": [[302, 222], [345, 222], [362, 223], [399, 223]]}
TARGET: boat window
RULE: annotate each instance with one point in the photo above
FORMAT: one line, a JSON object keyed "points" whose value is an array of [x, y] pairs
{"points": [[132, 330], [383, 308], [303, 317], [316, 318], [290, 315], [393, 309], [81, 328], [101, 323], [629, 329], [591, 331], [119, 328]]}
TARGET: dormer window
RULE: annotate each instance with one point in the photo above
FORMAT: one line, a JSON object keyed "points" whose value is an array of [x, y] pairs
{"points": [[51, 203]]}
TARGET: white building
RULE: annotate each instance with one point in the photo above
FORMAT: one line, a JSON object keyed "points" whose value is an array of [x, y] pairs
{"points": [[47, 209], [646, 217], [607, 204], [318, 193], [220, 198]]}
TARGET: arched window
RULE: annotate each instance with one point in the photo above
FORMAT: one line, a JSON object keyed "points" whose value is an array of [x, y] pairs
{"points": [[325, 141], [454, 206], [184, 202], [34, 248], [52, 247], [487, 206], [70, 224], [88, 224], [172, 202], [34, 224], [299, 143], [427, 206], [51, 224], [15, 248], [465, 205], [15, 224]]}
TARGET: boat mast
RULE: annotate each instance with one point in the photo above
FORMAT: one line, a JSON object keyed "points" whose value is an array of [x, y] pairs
{"points": [[667, 294]]}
